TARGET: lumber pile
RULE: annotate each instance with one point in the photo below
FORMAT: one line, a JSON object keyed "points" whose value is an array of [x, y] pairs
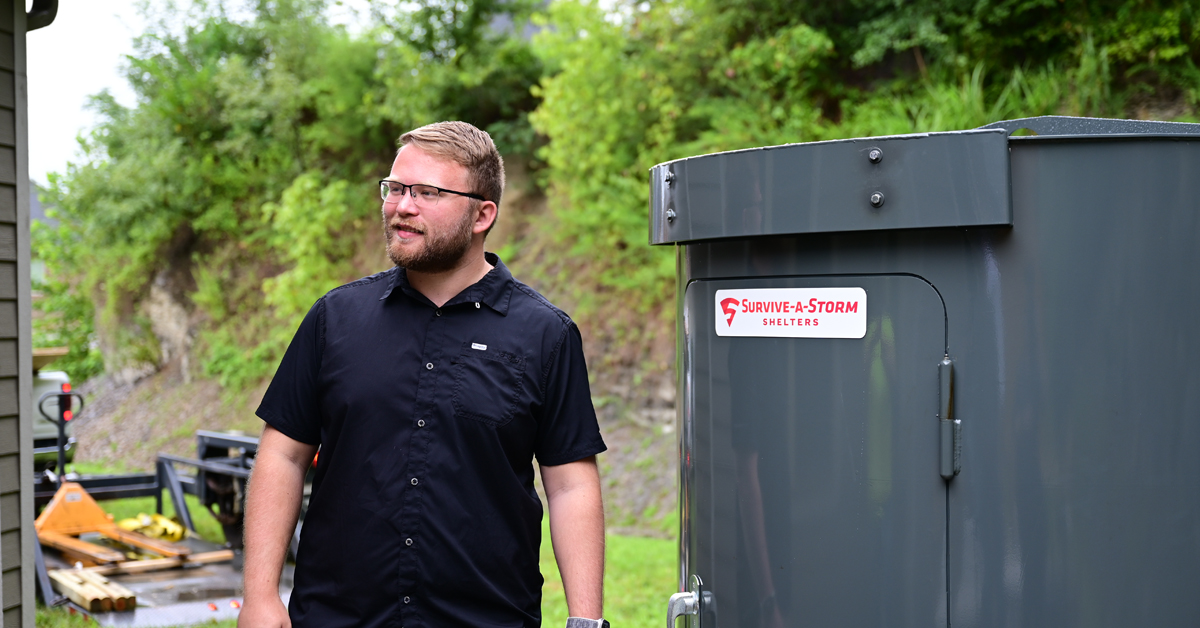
{"points": [[92, 591], [89, 588], [160, 564]]}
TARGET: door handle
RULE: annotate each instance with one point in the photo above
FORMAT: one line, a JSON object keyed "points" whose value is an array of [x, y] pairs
{"points": [[687, 603], [682, 604]]}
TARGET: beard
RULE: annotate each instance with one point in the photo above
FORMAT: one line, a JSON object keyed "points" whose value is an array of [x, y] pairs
{"points": [[441, 251]]}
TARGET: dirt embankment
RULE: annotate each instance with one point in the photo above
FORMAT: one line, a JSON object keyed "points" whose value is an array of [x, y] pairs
{"points": [[124, 426], [135, 414]]}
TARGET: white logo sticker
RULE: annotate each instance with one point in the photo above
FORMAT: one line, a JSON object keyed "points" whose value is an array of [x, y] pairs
{"points": [[476, 345], [792, 312]]}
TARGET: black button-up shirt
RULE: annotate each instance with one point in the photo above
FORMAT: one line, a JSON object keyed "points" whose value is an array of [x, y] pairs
{"points": [[423, 510]]}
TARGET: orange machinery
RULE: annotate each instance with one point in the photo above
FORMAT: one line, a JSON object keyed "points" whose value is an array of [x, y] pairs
{"points": [[73, 512]]}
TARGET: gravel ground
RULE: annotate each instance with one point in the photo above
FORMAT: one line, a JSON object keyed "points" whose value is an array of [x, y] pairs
{"points": [[125, 427]]}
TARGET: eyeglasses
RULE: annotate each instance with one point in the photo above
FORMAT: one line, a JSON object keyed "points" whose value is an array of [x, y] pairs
{"points": [[423, 195]]}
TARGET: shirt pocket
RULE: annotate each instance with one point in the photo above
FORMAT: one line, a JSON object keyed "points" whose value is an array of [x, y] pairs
{"points": [[487, 384]]}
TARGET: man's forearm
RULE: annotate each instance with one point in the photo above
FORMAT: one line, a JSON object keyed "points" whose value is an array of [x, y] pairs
{"points": [[577, 532], [272, 507]]}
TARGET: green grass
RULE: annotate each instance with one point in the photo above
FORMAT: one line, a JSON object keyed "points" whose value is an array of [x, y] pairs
{"points": [[59, 618], [639, 574]]}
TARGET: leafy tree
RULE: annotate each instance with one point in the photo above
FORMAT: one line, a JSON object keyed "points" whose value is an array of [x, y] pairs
{"points": [[244, 177]]}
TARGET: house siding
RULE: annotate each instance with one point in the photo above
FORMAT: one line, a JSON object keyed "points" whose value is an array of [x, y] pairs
{"points": [[16, 366]]}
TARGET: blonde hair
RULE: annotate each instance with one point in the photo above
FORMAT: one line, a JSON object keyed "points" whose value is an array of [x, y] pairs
{"points": [[468, 146]]}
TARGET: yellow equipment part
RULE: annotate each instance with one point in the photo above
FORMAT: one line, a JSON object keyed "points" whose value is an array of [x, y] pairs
{"points": [[154, 526], [133, 524], [73, 512]]}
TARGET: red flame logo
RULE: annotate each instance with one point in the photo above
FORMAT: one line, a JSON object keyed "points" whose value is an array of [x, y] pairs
{"points": [[729, 306]]}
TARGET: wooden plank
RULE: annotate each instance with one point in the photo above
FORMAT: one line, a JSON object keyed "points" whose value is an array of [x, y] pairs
{"points": [[123, 599], [69, 544], [161, 564], [80, 591], [45, 356], [158, 546], [78, 560]]}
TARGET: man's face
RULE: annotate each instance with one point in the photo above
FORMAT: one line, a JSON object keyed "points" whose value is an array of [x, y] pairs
{"points": [[428, 239]]}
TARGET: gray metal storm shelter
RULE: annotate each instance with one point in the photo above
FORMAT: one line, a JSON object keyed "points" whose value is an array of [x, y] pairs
{"points": [[940, 379]]}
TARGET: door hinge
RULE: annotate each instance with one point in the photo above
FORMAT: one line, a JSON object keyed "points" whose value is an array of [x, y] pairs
{"points": [[951, 427]]}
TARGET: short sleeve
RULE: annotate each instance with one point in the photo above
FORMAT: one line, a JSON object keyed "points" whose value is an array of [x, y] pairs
{"points": [[291, 404], [567, 428]]}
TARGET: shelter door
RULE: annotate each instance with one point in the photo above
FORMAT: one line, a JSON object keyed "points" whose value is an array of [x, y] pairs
{"points": [[811, 492]]}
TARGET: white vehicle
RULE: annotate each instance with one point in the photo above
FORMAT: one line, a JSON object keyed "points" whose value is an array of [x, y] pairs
{"points": [[45, 431]]}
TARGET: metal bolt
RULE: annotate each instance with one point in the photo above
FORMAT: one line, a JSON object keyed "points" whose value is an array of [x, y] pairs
{"points": [[875, 155], [670, 215], [877, 199], [669, 177]]}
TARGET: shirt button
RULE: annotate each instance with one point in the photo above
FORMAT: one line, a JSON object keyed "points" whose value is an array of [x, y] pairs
{"points": [[420, 422], [413, 481], [408, 542], [477, 305], [439, 312], [429, 366], [407, 599]]}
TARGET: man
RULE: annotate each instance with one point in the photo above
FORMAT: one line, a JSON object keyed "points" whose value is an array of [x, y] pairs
{"points": [[429, 389]]}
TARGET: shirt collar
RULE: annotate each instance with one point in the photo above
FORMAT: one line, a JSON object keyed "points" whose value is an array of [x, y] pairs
{"points": [[494, 290]]}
